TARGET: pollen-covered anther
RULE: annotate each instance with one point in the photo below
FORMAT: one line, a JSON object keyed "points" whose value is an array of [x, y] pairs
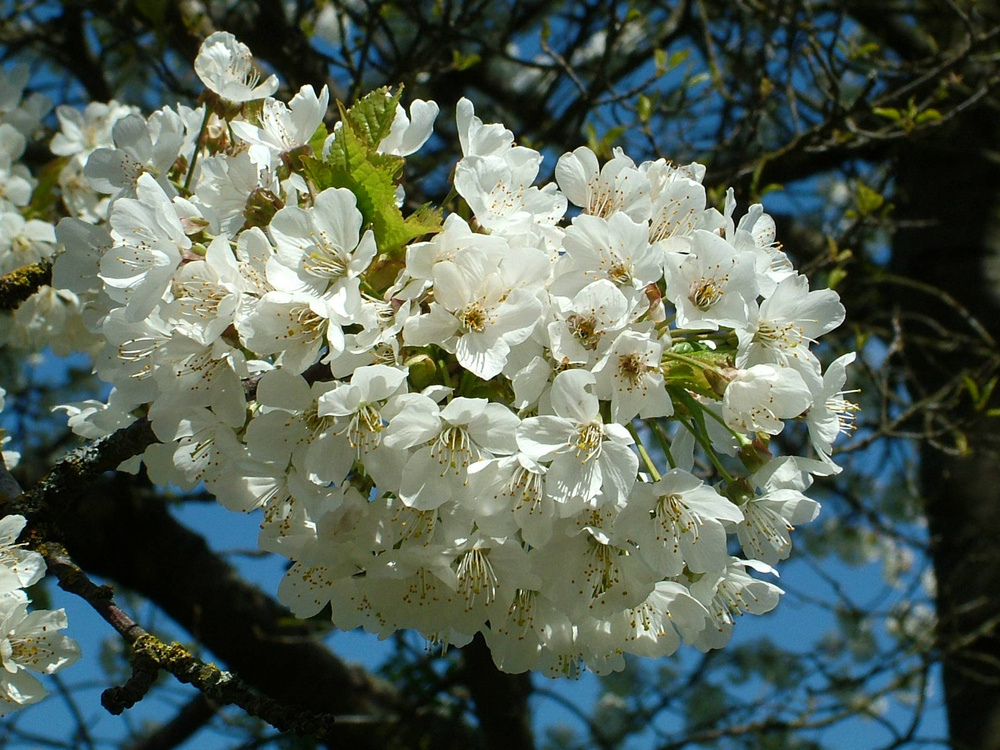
{"points": [[671, 513], [619, 273], [589, 438], [787, 336], [473, 318], [326, 262], [585, 330], [603, 569], [845, 410], [526, 487], [452, 449], [365, 428], [707, 291], [476, 577], [631, 368]]}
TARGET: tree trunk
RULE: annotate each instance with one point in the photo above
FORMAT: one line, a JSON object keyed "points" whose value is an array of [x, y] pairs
{"points": [[949, 187]]}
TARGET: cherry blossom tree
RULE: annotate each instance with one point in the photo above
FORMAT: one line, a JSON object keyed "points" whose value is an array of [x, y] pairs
{"points": [[544, 414]]}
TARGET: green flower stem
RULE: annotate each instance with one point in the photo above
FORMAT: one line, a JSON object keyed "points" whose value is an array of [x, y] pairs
{"points": [[693, 361], [699, 430], [707, 447], [442, 366], [197, 148], [643, 453], [687, 333], [741, 438], [664, 325], [661, 438]]}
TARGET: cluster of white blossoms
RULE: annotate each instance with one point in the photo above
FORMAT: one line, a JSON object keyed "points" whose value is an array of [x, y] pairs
{"points": [[546, 424], [28, 638], [29, 641]]}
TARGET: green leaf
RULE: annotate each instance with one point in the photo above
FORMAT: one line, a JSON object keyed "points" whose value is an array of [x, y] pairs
{"points": [[677, 58], [889, 113], [928, 115], [988, 389], [602, 145], [864, 50], [645, 108], [371, 117], [41, 204], [425, 220], [868, 201], [972, 387], [317, 172], [836, 276], [462, 61], [318, 139], [372, 177], [660, 61]]}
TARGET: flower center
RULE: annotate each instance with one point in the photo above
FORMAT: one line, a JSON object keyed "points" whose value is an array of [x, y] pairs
{"points": [[326, 262], [584, 329], [453, 450], [619, 273], [604, 200], [476, 576], [707, 290], [526, 487], [777, 336], [364, 430], [602, 569], [473, 318], [588, 441], [631, 368]]}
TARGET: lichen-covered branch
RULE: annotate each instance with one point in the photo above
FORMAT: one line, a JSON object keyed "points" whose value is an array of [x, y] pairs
{"points": [[17, 286], [150, 654]]}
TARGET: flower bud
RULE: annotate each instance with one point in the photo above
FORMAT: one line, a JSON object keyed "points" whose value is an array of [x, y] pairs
{"points": [[423, 371]]}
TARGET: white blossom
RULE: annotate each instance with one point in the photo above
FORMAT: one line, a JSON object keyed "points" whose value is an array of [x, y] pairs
{"points": [[226, 67]]}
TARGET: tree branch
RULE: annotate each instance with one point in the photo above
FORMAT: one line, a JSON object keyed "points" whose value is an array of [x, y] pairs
{"points": [[17, 286], [150, 654], [186, 723]]}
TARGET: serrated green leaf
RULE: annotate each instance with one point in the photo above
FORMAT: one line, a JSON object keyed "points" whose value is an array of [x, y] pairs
{"points": [[372, 178], [352, 168], [371, 117], [317, 172], [425, 220], [318, 139]]}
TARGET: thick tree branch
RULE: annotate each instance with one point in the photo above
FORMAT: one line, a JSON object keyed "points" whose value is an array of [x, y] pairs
{"points": [[17, 286], [192, 716], [501, 699]]}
